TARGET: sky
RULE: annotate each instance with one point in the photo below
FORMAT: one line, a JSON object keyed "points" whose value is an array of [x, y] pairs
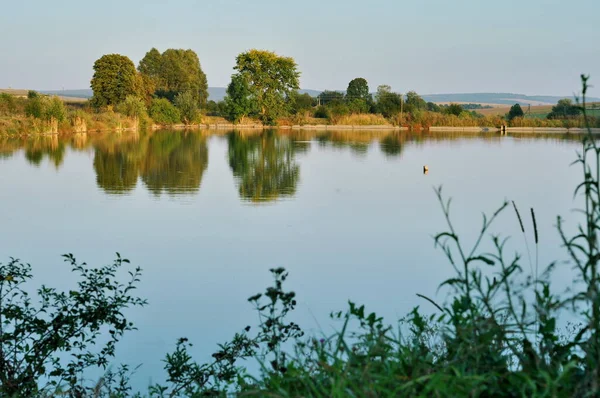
{"points": [[430, 46]]}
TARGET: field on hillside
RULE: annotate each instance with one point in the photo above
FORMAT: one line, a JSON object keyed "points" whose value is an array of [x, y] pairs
{"points": [[540, 111]]}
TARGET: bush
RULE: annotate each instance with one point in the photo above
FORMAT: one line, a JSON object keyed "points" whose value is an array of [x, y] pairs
{"points": [[54, 109], [322, 112], [7, 104], [188, 107], [133, 107], [164, 112], [53, 341], [34, 107]]}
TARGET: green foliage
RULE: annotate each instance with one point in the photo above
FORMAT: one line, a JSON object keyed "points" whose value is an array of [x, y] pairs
{"points": [[322, 112], [114, 79], [326, 97], [188, 107], [433, 107], [133, 107], [32, 94], [37, 333], [387, 103], [414, 102], [271, 79], [174, 72], [515, 111], [564, 109], [164, 112], [358, 105], [300, 103], [35, 107], [54, 109], [46, 108], [358, 89], [239, 101], [453, 109]]}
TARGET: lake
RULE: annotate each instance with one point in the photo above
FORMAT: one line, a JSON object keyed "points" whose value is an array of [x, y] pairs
{"points": [[350, 215]]}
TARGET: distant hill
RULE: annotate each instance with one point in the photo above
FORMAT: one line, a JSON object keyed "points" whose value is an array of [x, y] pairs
{"points": [[218, 93]]}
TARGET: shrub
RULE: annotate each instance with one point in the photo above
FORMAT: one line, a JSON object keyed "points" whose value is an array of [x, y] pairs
{"points": [[7, 104], [322, 112], [54, 109], [54, 340], [34, 107], [164, 112], [133, 107], [188, 107]]}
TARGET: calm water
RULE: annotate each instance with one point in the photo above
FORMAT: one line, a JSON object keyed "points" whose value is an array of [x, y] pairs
{"points": [[350, 215]]}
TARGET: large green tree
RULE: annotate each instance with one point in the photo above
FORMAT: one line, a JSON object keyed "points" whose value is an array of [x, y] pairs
{"points": [[174, 72], [358, 89], [271, 79], [114, 79]]}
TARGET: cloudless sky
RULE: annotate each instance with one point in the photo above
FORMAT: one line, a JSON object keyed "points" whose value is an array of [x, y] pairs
{"points": [[431, 46]]}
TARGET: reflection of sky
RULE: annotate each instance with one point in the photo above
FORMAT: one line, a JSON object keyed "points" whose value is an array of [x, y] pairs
{"points": [[355, 229]]}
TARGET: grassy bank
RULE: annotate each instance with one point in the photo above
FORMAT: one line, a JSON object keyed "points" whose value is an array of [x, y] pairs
{"points": [[20, 115]]}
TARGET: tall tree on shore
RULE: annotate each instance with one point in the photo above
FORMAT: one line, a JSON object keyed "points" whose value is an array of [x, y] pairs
{"points": [[174, 72], [389, 104], [271, 79], [358, 89], [114, 79], [515, 111]]}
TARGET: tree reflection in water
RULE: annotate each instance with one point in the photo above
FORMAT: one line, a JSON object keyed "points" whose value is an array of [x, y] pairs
{"points": [[263, 165]]}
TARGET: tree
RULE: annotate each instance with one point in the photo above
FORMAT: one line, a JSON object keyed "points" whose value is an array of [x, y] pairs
{"points": [[151, 64], [433, 107], [271, 79], [34, 107], [515, 111], [358, 89], [162, 111], [564, 109], [188, 107], [114, 79], [327, 97], [414, 102], [389, 104], [453, 109], [300, 103], [239, 101], [173, 72]]}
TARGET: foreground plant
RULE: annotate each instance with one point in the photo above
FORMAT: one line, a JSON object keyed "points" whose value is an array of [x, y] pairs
{"points": [[48, 339]]}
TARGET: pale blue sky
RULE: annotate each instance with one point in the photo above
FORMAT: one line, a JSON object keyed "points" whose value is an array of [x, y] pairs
{"points": [[431, 46]]}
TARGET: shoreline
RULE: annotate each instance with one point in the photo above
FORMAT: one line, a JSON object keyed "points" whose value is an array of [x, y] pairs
{"points": [[339, 127]]}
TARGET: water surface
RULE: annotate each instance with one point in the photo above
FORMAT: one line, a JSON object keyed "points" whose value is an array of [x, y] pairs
{"points": [[349, 214]]}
